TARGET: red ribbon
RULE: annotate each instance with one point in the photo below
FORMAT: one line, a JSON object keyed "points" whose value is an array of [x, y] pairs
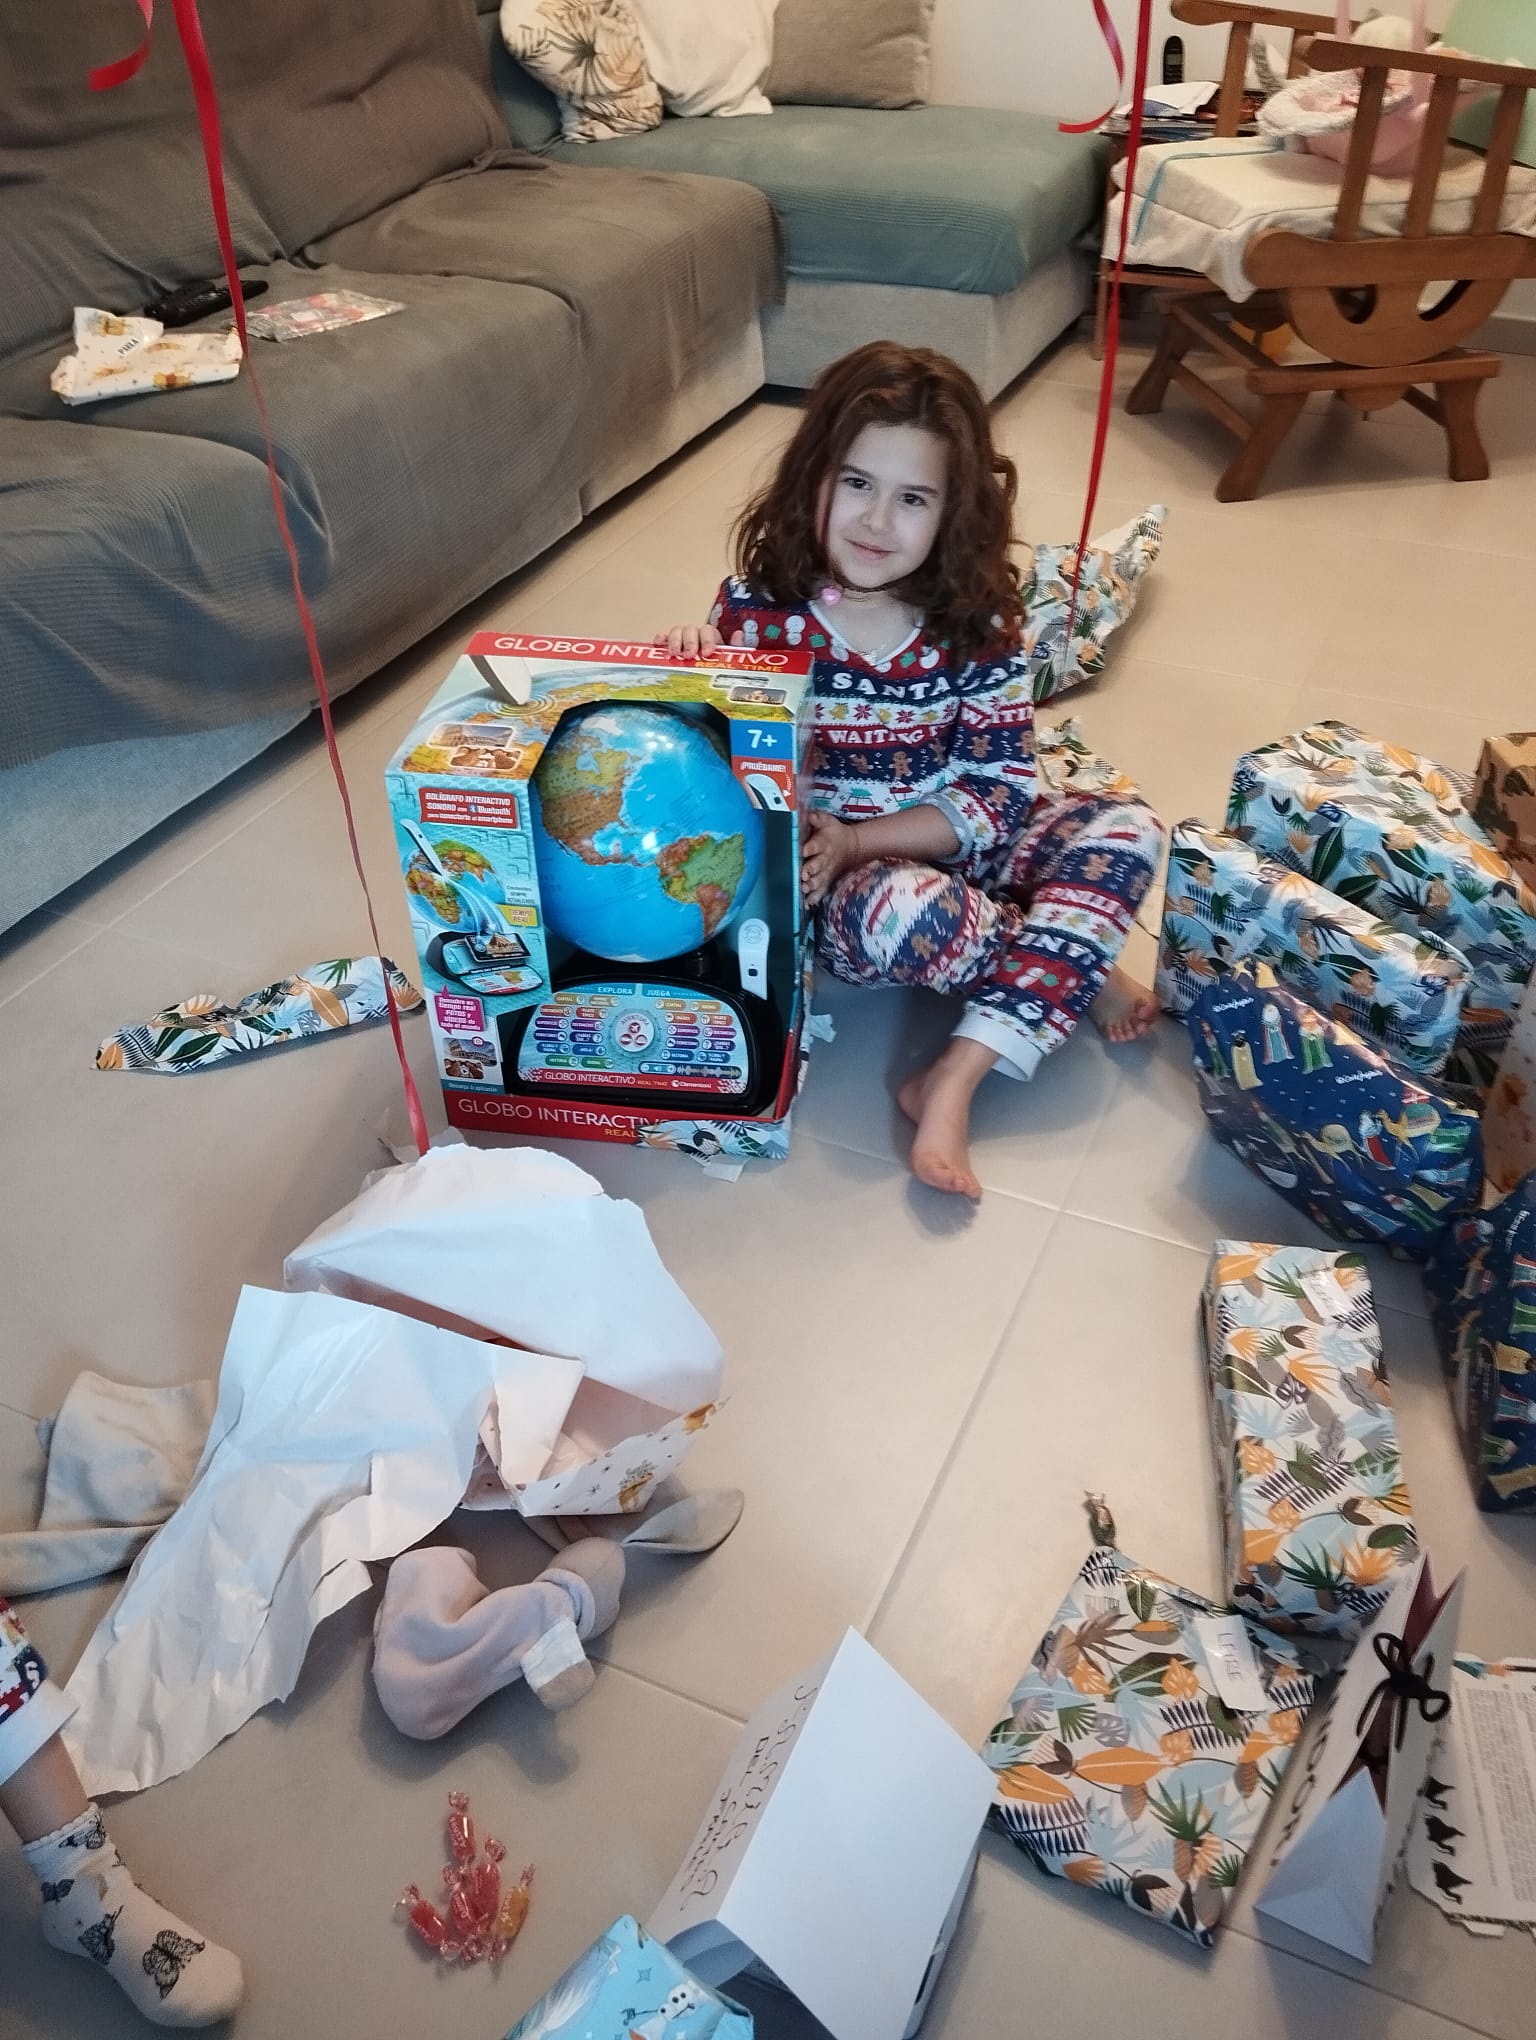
{"points": [[189, 29], [1112, 322], [1112, 37]]}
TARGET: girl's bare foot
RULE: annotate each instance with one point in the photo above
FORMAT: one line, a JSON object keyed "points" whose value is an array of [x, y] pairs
{"points": [[1124, 1010], [938, 1102]]}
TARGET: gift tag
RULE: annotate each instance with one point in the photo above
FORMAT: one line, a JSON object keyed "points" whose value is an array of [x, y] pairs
{"points": [[1322, 1287], [1228, 1651]]}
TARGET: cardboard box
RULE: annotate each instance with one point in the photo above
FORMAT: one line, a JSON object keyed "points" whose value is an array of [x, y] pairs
{"points": [[1390, 831], [1504, 799], [1224, 902], [612, 947], [1316, 1516]]}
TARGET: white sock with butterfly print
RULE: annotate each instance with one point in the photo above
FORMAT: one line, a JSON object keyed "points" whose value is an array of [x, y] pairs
{"points": [[91, 1906]]}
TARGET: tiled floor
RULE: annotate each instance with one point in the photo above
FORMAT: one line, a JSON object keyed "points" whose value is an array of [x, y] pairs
{"points": [[920, 1394]]}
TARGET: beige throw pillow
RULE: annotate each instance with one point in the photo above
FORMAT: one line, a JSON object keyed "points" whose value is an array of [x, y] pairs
{"points": [[708, 56], [850, 53], [589, 54]]}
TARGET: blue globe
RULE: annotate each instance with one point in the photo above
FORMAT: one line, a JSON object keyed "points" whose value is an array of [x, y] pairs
{"points": [[647, 844]]}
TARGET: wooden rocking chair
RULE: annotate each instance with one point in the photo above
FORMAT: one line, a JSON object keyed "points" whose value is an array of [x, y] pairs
{"points": [[1357, 300]]}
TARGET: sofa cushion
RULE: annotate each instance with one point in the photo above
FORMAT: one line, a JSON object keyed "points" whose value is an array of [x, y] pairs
{"points": [[856, 53], [590, 55], [944, 197], [104, 201], [423, 456], [335, 107], [659, 273]]}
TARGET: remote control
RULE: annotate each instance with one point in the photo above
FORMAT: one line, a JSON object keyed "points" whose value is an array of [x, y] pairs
{"points": [[196, 301]]}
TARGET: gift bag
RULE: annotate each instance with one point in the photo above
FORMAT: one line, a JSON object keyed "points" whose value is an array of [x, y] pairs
{"points": [[628, 1987], [1317, 1519], [1363, 1150], [1142, 1747], [1504, 799], [1481, 1281], [1353, 1792], [1509, 1113], [1224, 902], [1390, 832]]}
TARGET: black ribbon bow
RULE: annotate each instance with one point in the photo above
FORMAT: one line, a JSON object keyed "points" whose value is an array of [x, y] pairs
{"points": [[1407, 1688]]}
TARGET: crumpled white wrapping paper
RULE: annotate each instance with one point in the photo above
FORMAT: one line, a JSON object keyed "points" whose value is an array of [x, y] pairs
{"points": [[521, 1243], [342, 1434]]}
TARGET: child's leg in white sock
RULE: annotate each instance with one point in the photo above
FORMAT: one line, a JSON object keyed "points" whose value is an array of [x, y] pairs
{"points": [[91, 1906]]}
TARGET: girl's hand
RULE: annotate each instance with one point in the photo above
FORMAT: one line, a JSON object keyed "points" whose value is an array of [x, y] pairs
{"points": [[831, 848], [690, 640]]}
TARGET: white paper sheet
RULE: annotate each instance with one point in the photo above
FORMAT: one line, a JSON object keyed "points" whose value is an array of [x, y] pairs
{"points": [[521, 1243], [1473, 1845], [342, 1434], [834, 1847]]}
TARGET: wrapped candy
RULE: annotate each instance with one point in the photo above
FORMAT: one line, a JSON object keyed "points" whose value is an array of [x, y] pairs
{"points": [[482, 1920]]}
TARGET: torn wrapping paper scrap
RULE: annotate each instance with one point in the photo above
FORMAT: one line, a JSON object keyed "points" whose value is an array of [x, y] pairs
{"points": [[343, 1434], [1472, 1846], [1225, 902], [588, 1473], [521, 1245], [343, 991], [121, 357], [1317, 1518]]}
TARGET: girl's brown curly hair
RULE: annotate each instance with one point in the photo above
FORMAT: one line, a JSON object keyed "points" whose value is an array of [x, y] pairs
{"points": [[968, 587]]}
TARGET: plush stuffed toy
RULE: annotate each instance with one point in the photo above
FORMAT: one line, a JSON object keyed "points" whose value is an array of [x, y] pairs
{"points": [[1317, 111], [443, 1642]]}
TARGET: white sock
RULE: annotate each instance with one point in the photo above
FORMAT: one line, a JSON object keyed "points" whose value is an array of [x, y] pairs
{"points": [[91, 1906]]}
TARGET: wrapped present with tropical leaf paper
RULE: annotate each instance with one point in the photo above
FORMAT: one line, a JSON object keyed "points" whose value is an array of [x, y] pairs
{"points": [[1481, 1282], [1317, 1519], [1390, 832], [1367, 1152], [1142, 1747], [1225, 902]]}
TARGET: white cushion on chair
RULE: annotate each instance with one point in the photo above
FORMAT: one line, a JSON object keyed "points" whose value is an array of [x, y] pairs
{"points": [[1208, 200]]}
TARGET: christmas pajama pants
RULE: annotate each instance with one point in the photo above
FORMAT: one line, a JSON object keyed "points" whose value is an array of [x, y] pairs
{"points": [[1027, 938], [32, 1709]]}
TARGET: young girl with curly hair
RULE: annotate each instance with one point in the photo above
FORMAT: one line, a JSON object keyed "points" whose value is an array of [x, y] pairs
{"points": [[935, 854]]}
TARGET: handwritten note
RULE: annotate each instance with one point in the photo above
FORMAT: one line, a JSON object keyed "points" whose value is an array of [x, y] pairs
{"points": [[739, 1805]]}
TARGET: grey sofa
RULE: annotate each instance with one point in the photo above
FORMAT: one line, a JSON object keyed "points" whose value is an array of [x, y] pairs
{"points": [[563, 332], [573, 317]]}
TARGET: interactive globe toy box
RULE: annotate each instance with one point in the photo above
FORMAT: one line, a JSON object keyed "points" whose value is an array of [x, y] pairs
{"points": [[601, 848]]}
